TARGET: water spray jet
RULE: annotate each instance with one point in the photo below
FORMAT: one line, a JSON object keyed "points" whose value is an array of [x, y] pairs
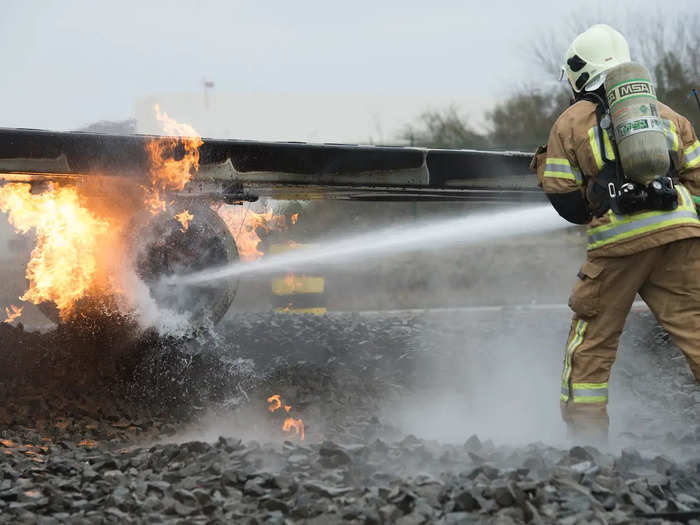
{"points": [[470, 229]]}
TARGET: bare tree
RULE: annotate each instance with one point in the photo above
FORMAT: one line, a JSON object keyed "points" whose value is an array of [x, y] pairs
{"points": [[122, 127], [443, 129], [651, 38], [668, 45]]}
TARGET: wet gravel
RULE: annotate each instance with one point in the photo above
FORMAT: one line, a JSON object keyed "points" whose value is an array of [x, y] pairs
{"points": [[103, 423]]}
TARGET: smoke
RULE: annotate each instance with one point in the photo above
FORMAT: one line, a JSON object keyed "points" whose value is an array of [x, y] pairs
{"points": [[494, 374], [138, 301], [5, 236], [492, 347], [490, 350], [654, 398]]}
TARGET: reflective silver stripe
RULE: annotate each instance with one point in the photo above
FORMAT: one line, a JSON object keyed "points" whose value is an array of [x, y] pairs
{"points": [[576, 340], [558, 166], [641, 223], [601, 150], [590, 392], [562, 167], [577, 175], [671, 136], [609, 153], [690, 157]]}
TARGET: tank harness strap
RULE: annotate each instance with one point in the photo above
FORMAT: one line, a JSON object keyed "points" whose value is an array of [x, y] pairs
{"points": [[675, 166], [605, 134], [603, 188]]}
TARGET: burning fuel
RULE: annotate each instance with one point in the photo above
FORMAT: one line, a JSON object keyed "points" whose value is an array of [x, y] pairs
{"points": [[80, 241], [290, 425], [184, 218], [275, 403], [247, 226], [64, 264], [173, 160], [13, 313], [294, 425]]}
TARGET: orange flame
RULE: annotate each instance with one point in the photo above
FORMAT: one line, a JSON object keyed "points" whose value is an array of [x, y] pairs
{"points": [[173, 160], [294, 425], [294, 282], [275, 402], [295, 218], [290, 424], [13, 312], [64, 262], [245, 224], [184, 218]]}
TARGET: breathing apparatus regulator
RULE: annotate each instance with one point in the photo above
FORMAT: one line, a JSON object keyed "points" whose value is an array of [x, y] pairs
{"points": [[638, 171]]}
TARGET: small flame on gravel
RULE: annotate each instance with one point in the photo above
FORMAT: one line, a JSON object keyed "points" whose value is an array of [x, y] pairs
{"points": [[275, 402], [291, 424]]}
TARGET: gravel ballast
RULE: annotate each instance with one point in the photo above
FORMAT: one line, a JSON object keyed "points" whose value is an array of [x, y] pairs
{"points": [[419, 417]]}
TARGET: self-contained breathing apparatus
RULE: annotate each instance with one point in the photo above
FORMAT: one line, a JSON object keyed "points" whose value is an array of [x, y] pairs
{"points": [[642, 171]]}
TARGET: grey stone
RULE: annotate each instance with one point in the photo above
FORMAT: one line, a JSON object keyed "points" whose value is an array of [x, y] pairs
{"points": [[120, 497], [332, 456], [182, 509], [580, 454], [88, 474], [389, 513], [461, 518], [273, 504], [161, 486], [487, 470], [411, 519], [152, 504], [114, 476], [465, 501], [431, 492], [253, 488], [473, 444], [639, 502], [185, 497], [502, 495], [326, 490]]}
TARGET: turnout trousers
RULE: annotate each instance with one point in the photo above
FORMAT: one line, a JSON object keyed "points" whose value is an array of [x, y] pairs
{"points": [[667, 278]]}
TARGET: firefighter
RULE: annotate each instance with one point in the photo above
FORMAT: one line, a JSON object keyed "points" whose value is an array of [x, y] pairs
{"points": [[643, 237]]}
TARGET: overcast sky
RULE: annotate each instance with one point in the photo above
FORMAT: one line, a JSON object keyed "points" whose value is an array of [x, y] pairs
{"points": [[70, 63]]}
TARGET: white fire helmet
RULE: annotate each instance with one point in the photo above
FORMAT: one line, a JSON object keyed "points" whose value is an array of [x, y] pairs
{"points": [[591, 54]]}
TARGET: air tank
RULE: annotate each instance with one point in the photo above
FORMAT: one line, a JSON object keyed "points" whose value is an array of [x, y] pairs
{"points": [[636, 122]]}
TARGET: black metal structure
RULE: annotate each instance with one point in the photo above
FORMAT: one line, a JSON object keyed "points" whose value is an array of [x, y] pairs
{"points": [[235, 170]]}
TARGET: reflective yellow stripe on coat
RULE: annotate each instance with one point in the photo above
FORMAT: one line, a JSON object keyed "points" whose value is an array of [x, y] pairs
{"points": [[691, 156], [594, 138], [561, 168], [671, 135], [622, 227]]}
